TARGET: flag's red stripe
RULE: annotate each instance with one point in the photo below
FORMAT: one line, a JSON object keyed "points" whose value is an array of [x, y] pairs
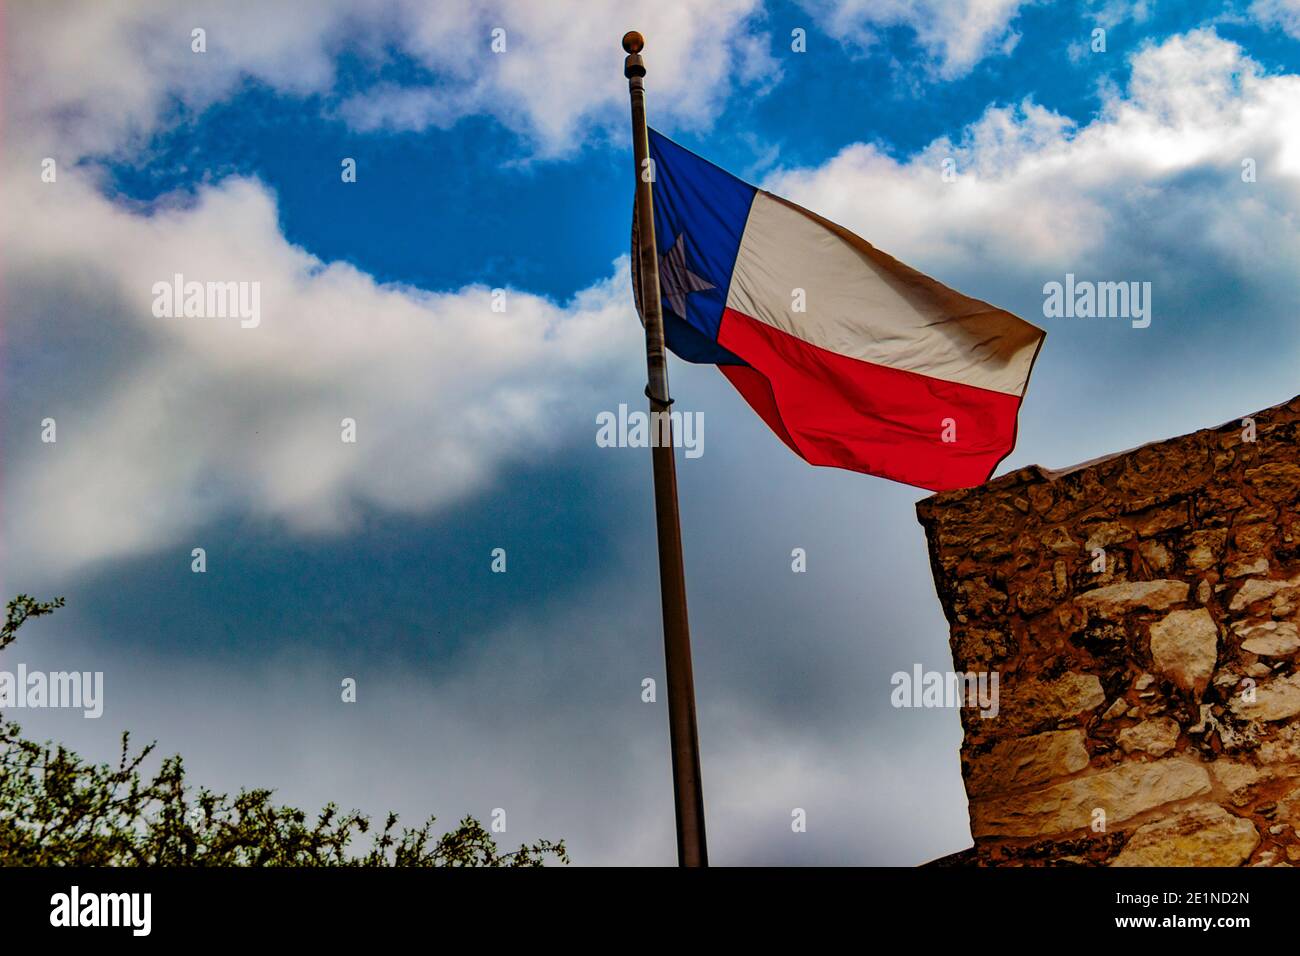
{"points": [[847, 413]]}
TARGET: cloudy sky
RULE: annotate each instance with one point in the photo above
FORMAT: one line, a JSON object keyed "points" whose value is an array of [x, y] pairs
{"points": [[481, 170]]}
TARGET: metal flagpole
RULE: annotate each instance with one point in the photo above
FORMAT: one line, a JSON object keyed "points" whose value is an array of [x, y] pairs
{"points": [[688, 792]]}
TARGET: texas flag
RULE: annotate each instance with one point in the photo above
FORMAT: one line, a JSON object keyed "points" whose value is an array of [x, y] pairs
{"points": [[853, 359]]}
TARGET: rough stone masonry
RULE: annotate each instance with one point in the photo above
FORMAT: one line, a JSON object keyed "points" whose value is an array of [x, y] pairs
{"points": [[1141, 611]]}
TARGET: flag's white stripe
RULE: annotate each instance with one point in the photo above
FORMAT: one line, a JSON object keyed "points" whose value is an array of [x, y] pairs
{"points": [[865, 305]]}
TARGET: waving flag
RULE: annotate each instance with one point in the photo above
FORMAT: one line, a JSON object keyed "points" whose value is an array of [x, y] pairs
{"points": [[853, 359]]}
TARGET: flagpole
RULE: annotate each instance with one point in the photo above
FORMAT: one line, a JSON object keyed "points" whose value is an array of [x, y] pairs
{"points": [[688, 791]]}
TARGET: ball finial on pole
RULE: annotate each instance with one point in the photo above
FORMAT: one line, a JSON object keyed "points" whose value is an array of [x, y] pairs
{"points": [[633, 65]]}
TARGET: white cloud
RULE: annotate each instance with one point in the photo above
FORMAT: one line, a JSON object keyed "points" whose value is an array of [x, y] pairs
{"points": [[88, 77], [956, 34], [1284, 14], [1111, 13], [1034, 190], [564, 65], [167, 423]]}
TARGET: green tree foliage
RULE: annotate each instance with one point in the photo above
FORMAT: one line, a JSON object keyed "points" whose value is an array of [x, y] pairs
{"points": [[58, 810]]}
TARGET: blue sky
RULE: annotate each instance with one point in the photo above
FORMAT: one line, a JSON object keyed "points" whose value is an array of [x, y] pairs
{"points": [[441, 208], [479, 170]]}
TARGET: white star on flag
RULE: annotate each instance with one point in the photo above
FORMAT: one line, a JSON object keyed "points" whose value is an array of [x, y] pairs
{"points": [[676, 280]]}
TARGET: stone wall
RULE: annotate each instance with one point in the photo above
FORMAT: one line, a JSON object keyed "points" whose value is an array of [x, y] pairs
{"points": [[1141, 612]]}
